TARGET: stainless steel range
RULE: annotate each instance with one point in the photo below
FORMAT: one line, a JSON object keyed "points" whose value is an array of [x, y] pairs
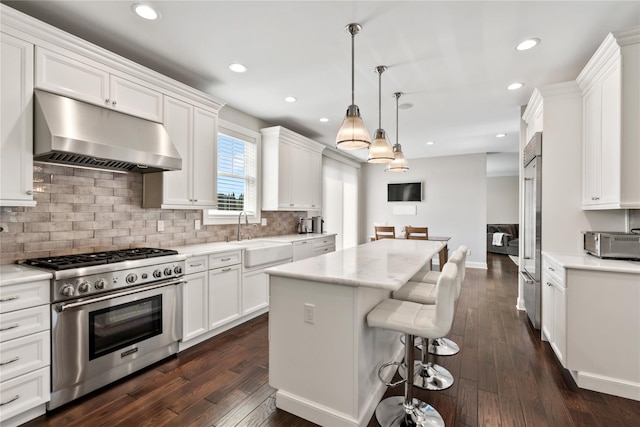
{"points": [[112, 313]]}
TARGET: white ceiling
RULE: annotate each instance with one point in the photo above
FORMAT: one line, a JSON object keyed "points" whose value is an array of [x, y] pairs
{"points": [[452, 59]]}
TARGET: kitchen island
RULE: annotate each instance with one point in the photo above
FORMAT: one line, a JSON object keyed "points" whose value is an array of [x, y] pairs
{"points": [[323, 358]]}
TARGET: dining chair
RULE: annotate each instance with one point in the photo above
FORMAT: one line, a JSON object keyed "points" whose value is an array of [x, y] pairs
{"points": [[385, 232], [416, 233]]}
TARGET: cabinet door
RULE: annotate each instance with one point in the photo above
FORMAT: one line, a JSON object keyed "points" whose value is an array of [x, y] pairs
{"points": [[137, 100], [69, 77], [255, 291], [610, 110], [16, 122], [315, 181], [178, 119], [559, 343], [204, 158], [592, 147], [224, 295], [547, 308], [195, 308], [285, 175], [300, 166]]}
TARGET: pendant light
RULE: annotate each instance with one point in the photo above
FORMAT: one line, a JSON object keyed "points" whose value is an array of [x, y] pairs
{"points": [[352, 135], [380, 150], [399, 163]]}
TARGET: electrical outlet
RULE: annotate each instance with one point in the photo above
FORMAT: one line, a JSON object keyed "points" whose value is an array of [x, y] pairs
{"points": [[264, 222], [197, 224], [160, 225], [308, 313]]}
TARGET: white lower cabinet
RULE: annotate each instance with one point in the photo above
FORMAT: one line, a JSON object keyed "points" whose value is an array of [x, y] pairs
{"points": [[25, 352], [195, 305], [224, 295], [255, 291], [302, 249], [313, 246], [554, 312]]}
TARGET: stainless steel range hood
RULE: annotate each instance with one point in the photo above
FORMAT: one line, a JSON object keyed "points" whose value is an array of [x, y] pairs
{"points": [[74, 133]]}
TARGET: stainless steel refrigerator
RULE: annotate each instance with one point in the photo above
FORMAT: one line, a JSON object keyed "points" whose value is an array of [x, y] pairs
{"points": [[530, 265]]}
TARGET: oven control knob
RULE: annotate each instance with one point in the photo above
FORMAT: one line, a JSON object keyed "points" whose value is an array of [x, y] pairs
{"points": [[67, 290], [168, 272], [84, 287], [101, 284], [157, 274], [131, 278], [177, 270]]}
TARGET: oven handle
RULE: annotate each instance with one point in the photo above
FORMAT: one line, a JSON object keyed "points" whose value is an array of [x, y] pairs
{"points": [[63, 307]]}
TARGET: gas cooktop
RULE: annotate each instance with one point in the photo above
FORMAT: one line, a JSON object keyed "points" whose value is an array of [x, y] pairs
{"points": [[67, 262]]}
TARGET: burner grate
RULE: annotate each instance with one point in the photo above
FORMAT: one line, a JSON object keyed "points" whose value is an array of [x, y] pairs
{"points": [[67, 262]]}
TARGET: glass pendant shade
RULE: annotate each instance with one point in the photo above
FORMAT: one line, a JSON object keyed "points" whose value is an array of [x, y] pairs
{"points": [[352, 135], [399, 163], [380, 150]]}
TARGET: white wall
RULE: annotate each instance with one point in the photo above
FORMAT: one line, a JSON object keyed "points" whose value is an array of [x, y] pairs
{"points": [[502, 200], [454, 200]]}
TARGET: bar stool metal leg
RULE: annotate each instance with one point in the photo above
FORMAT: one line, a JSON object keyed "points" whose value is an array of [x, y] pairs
{"points": [[406, 411], [428, 375], [443, 347]]}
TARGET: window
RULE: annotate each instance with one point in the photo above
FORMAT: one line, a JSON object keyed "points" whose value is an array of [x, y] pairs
{"points": [[237, 183]]}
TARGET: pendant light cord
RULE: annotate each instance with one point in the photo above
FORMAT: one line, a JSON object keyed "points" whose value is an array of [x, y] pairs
{"points": [[380, 70], [353, 85], [397, 120]]}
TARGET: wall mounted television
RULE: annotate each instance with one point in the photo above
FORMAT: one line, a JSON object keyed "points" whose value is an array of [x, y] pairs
{"points": [[404, 192]]}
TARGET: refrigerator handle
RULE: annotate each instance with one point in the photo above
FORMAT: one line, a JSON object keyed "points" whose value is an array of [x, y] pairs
{"points": [[523, 235], [528, 280]]}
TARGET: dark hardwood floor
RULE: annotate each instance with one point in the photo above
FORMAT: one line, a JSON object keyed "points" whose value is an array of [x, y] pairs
{"points": [[504, 376]]}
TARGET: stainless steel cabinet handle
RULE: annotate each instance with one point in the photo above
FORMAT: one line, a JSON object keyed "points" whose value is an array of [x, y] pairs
{"points": [[113, 103], [226, 269], [196, 265], [16, 397], [15, 359], [225, 259], [29, 192], [549, 284], [6, 328], [9, 298], [551, 269], [106, 101]]}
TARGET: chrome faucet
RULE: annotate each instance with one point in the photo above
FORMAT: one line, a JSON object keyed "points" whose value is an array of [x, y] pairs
{"points": [[246, 220]]}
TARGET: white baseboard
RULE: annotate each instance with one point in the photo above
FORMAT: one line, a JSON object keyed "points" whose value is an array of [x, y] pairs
{"points": [[609, 385], [520, 304], [480, 265]]}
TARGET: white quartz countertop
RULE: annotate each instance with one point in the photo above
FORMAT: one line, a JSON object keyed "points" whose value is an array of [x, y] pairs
{"points": [[584, 261], [217, 247], [13, 274], [384, 264]]}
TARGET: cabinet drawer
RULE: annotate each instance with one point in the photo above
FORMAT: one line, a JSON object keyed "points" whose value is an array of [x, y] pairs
{"points": [[19, 323], [23, 393], [196, 264], [23, 355], [324, 250], [224, 259], [554, 270], [324, 241], [24, 295]]}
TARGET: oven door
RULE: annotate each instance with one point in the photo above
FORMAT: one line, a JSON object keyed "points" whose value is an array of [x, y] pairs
{"points": [[96, 341]]}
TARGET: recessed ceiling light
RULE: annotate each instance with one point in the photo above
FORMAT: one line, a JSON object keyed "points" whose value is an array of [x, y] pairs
{"points": [[528, 44], [515, 86], [145, 11], [501, 135], [324, 120], [290, 99], [237, 68], [429, 142]]}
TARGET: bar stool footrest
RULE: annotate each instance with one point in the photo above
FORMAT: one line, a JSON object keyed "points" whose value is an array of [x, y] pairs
{"points": [[385, 366]]}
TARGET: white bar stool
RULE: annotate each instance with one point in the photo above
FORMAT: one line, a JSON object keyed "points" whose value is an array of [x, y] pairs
{"points": [[441, 346], [427, 374], [413, 319]]}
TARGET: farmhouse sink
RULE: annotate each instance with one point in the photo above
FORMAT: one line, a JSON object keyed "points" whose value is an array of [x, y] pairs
{"points": [[262, 252]]}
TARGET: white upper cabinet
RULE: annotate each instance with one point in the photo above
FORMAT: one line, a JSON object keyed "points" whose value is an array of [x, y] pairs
{"points": [[193, 131], [16, 122], [291, 171], [76, 78], [610, 83]]}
